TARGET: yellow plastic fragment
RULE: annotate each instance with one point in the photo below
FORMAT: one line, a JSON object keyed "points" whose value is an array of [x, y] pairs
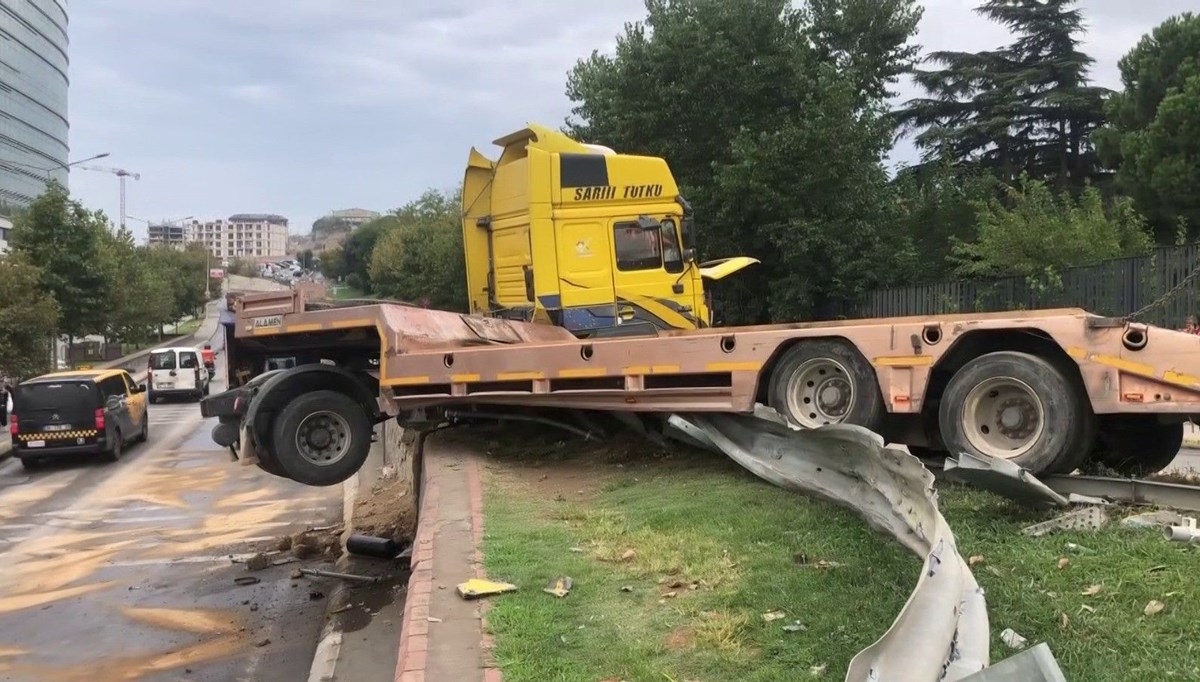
{"points": [[477, 587]]}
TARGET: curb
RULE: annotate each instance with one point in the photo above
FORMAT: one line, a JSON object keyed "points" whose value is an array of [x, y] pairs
{"points": [[412, 662]]}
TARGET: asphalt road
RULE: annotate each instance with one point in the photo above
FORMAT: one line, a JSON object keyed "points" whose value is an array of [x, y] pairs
{"points": [[122, 571]]}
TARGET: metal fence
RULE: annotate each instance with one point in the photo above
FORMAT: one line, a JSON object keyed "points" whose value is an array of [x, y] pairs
{"points": [[1114, 287]]}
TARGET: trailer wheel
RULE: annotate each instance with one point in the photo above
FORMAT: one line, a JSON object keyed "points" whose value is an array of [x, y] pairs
{"points": [[826, 382], [321, 438], [1137, 445], [1018, 407]]}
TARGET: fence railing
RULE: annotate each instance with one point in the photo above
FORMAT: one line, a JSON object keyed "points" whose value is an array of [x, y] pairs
{"points": [[1114, 287]]}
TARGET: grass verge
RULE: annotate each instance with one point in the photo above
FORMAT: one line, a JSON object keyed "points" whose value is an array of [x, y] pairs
{"points": [[678, 558]]}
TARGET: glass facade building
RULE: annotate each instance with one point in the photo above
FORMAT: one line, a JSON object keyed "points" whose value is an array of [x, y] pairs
{"points": [[33, 98]]}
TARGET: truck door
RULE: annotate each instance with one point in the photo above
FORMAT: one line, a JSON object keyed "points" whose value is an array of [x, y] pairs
{"points": [[585, 274], [649, 276]]}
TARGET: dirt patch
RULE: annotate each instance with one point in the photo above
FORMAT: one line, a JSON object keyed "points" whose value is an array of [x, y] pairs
{"points": [[388, 511], [682, 637]]}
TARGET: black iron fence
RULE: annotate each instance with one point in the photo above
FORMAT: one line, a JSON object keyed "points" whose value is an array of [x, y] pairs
{"points": [[1114, 287]]}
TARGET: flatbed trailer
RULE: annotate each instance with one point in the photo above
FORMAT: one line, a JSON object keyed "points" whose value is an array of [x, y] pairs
{"points": [[1049, 389]]}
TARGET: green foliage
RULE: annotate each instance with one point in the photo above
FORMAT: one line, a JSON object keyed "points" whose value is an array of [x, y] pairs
{"points": [[305, 259], [140, 297], [63, 239], [1154, 138], [353, 260], [333, 264], [243, 267], [28, 318], [771, 117], [420, 257], [327, 224], [1038, 233], [935, 208], [1025, 108]]}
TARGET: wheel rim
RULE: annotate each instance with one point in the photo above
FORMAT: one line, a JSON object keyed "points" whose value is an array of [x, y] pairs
{"points": [[820, 392], [323, 438], [1003, 417]]}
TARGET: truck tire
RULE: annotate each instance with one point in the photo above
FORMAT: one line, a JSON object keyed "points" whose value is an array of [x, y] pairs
{"points": [[1137, 445], [1018, 407], [321, 438], [826, 382]]}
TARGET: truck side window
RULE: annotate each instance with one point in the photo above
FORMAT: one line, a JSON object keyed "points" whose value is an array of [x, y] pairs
{"points": [[672, 254], [637, 248]]}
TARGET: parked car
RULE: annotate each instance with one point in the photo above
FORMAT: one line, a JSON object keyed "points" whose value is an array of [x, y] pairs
{"points": [[177, 371], [83, 412]]}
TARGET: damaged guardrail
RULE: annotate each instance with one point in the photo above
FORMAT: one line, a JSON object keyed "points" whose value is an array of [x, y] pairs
{"points": [[942, 633]]}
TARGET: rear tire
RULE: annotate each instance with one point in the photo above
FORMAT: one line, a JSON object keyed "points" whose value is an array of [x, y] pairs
{"points": [[113, 454], [1018, 407], [1137, 445], [31, 463], [321, 438], [145, 434], [826, 382]]}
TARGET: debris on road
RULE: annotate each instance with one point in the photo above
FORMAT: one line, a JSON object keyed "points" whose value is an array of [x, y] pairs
{"points": [[1004, 478], [315, 595], [247, 580], [262, 642], [559, 587], [1012, 639], [476, 588], [258, 562], [1088, 518], [370, 545], [317, 573]]}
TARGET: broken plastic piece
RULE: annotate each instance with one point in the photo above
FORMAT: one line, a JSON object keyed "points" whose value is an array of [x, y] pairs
{"points": [[478, 587], [559, 587], [369, 545], [1012, 639], [1187, 532]]}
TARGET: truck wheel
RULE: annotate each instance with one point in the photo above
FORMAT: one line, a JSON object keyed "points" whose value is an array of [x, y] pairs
{"points": [[321, 438], [826, 382], [1137, 445], [1017, 407]]}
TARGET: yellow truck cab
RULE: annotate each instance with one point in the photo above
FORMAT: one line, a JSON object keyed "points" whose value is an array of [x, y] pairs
{"points": [[575, 235]]}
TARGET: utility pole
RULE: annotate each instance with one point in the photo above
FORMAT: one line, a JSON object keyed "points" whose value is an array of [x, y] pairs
{"points": [[121, 174]]}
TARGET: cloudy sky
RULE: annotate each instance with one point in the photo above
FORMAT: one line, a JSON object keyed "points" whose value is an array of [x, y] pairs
{"points": [[300, 107]]}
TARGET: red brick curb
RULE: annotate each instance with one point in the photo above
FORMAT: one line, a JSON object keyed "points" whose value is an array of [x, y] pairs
{"points": [[414, 630]]}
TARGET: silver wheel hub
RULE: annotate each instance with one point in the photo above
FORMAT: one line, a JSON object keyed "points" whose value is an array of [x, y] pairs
{"points": [[1003, 417], [819, 392], [323, 438]]}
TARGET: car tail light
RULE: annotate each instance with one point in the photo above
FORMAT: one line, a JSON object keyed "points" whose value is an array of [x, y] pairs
{"points": [[13, 424], [99, 419]]}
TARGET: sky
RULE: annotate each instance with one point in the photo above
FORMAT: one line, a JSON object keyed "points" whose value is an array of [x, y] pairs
{"points": [[301, 107]]}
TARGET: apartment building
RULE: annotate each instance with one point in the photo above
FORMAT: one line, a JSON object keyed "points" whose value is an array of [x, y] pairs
{"points": [[175, 236], [244, 235]]}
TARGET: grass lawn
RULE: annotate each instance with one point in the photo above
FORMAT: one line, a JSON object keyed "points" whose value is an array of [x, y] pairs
{"points": [[343, 292], [677, 557]]}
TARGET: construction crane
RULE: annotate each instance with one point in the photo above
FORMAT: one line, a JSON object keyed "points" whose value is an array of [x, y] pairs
{"points": [[120, 173]]}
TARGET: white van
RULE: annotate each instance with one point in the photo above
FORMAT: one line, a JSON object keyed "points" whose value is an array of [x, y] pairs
{"points": [[177, 371]]}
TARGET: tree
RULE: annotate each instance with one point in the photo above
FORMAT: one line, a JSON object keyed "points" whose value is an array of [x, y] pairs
{"points": [[1036, 232], [28, 318], [1153, 140], [305, 259], [935, 209], [62, 239], [356, 251], [141, 297], [1025, 108], [737, 97], [421, 258]]}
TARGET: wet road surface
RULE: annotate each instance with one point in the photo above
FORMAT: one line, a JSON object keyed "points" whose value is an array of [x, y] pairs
{"points": [[122, 572]]}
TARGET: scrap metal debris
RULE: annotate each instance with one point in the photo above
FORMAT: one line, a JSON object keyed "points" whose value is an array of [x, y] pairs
{"points": [[247, 580], [1003, 478], [317, 573], [476, 588], [1153, 519], [1035, 664], [1088, 518], [559, 587]]}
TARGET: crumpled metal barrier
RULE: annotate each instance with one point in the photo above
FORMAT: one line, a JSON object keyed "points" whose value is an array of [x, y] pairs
{"points": [[942, 632]]}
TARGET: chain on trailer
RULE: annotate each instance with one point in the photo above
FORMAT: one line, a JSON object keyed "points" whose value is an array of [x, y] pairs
{"points": [[1167, 297]]}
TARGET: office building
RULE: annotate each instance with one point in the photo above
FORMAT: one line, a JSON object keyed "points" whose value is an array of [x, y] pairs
{"points": [[33, 101], [244, 235]]}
